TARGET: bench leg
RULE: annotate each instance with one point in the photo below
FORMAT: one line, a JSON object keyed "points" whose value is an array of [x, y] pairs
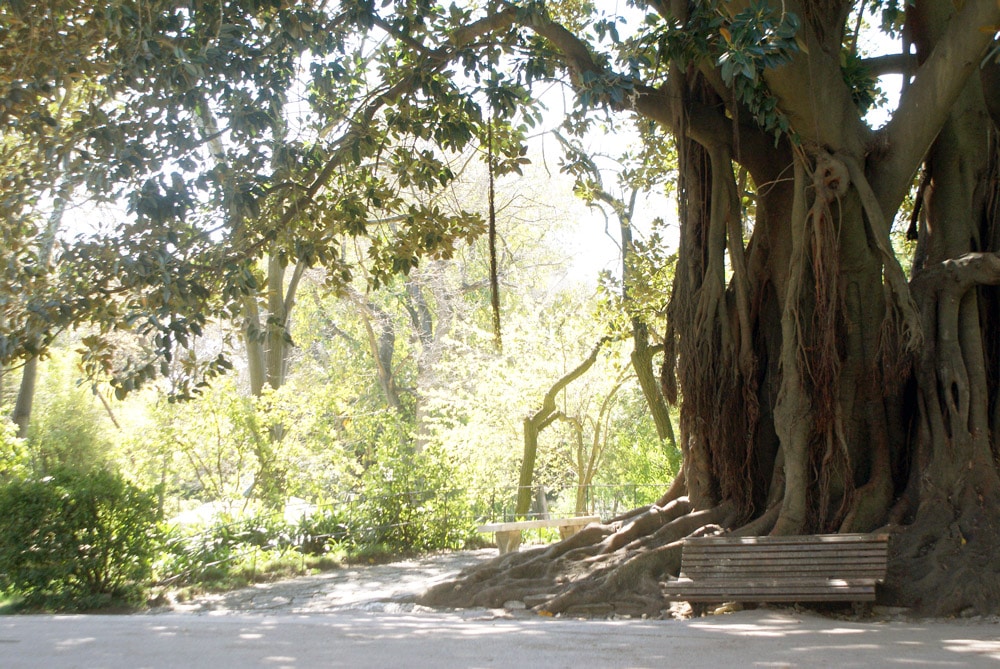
{"points": [[566, 531], [508, 542], [699, 609]]}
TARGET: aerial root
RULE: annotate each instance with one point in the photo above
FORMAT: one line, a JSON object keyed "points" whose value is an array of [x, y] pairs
{"points": [[646, 523]]}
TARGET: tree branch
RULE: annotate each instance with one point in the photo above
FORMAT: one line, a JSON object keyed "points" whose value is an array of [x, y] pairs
{"points": [[435, 61], [894, 63], [958, 275], [927, 102]]}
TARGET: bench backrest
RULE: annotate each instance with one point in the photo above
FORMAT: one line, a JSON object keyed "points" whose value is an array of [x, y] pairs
{"points": [[834, 556]]}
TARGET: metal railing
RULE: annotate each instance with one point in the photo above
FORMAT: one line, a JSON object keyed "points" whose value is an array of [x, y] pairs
{"points": [[606, 501]]}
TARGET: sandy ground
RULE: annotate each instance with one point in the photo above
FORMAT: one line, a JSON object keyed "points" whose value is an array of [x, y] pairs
{"points": [[363, 617], [385, 587]]}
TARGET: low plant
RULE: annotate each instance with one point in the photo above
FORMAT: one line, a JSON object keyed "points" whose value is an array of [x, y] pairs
{"points": [[75, 540], [410, 503]]}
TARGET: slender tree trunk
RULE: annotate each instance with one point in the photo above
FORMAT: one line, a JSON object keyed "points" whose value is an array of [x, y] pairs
{"points": [[25, 397], [253, 342], [266, 337], [278, 339], [381, 336], [642, 355], [538, 421], [29, 373], [432, 341], [642, 364]]}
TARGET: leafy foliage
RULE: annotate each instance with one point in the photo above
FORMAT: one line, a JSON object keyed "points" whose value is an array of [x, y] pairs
{"points": [[76, 540], [14, 461], [405, 503], [232, 133], [637, 456], [66, 431], [410, 503]]}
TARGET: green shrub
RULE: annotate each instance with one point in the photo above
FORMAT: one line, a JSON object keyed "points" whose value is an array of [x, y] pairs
{"points": [[409, 502], [235, 552], [76, 540], [14, 460], [314, 534]]}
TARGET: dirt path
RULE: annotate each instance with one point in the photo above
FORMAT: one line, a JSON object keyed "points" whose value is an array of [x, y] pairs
{"points": [[361, 617], [386, 587]]}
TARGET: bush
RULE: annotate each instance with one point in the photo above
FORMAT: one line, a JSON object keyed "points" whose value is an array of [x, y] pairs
{"points": [[68, 430], [14, 460], [76, 540], [409, 502], [234, 552], [315, 534]]}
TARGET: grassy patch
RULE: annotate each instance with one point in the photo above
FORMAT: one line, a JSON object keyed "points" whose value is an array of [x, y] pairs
{"points": [[252, 566]]}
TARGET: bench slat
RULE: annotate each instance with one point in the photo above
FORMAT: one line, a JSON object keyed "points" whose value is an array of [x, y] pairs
{"points": [[781, 569], [702, 558], [806, 539], [766, 556], [782, 593], [790, 585], [787, 546], [828, 571], [773, 582], [750, 563], [777, 558], [828, 549]]}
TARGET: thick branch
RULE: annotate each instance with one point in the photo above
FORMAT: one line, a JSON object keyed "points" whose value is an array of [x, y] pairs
{"points": [[812, 92], [927, 102], [960, 274], [894, 63]]}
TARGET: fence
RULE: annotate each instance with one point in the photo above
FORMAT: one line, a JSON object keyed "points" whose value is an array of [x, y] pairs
{"points": [[606, 501]]}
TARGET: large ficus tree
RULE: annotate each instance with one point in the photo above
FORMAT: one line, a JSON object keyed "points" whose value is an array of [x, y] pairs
{"points": [[823, 390]]}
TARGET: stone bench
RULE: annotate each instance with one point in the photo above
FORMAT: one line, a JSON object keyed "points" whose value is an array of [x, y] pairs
{"points": [[808, 568], [508, 535]]}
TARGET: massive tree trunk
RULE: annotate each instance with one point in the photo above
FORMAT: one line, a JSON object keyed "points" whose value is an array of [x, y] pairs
{"points": [[822, 391], [949, 557]]}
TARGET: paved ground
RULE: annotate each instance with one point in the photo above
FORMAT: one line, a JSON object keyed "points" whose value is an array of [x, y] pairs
{"points": [[359, 618]]}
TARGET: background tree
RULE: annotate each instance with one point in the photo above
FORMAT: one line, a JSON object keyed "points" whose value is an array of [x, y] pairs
{"points": [[636, 303], [233, 148]]}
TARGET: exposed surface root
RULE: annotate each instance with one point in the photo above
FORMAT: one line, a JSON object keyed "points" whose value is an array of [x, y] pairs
{"points": [[947, 562], [604, 569]]}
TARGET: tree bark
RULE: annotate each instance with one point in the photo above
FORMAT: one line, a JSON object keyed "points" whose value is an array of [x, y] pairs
{"points": [[381, 336]]}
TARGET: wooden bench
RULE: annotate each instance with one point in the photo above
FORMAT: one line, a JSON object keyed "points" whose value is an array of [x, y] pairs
{"points": [[810, 568], [508, 535]]}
